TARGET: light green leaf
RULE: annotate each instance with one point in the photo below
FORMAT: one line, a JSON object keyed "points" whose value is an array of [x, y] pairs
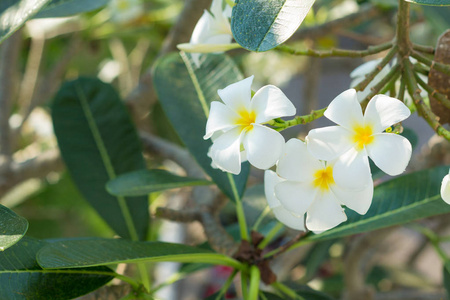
{"points": [[431, 2], [65, 8], [144, 182], [22, 278], [98, 142], [186, 93], [14, 13], [12, 227], [401, 200], [261, 25], [97, 252]]}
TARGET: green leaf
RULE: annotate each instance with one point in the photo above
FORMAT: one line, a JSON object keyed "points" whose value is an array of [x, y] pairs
{"points": [[12, 227], [186, 93], [97, 252], [261, 25], [431, 2], [446, 277], [22, 278], [65, 8], [99, 142], [14, 13], [144, 182], [303, 291], [398, 201]]}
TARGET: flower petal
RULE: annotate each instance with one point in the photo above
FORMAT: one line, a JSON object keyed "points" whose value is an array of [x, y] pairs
{"points": [[237, 95], [269, 103], [295, 196], [445, 188], [263, 146], [289, 219], [202, 28], [384, 111], [352, 170], [270, 180], [327, 143], [296, 163], [357, 200], [390, 152], [345, 110], [220, 118], [324, 213], [225, 151]]}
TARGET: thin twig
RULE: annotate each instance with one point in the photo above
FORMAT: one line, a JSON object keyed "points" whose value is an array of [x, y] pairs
{"points": [[443, 68], [336, 52], [422, 108], [390, 77], [433, 92], [424, 49]]}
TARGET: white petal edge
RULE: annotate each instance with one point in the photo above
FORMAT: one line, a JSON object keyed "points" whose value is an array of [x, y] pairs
{"points": [[352, 170], [270, 180], [384, 111], [220, 118], [325, 213], [263, 145], [296, 197], [345, 109], [365, 68], [225, 151], [296, 163], [390, 152], [445, 189], [269, 103], [237, 95], [202, 28], [357, 200], [327, 143], [289, 219]]}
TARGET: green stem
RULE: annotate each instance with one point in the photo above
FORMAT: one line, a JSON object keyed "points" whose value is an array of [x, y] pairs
{"points": [[314, 115], [443, 68], [335, 52], [401, 91], [422, 108], [420, 68], [272, 233], [432, 92], [392, 76], [239, 210], [286, 290], [261, 217], [423, 48], [226, 285], [244, 282], [255, 278], [370, 76]]}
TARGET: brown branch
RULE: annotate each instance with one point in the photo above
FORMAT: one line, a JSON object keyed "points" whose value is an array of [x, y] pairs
{"points": [[9, 54], [328, 28], [143, 96]]}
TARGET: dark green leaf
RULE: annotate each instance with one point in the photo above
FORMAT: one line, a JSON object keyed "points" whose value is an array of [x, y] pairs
{"points": [[97, 252], [261, 25], [14, 13], [398, 201], [446, 277], [12, 227], [431, 2], [22, 278], [316, 256], [64, 8], [186, 93], [144, 182], [303, 291], [99, 142]]}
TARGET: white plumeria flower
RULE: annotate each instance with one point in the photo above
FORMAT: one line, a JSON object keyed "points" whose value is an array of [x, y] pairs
{"points": [[125, 11], [291, 220], [212, 32], [307, 185], [445, 188], [240, 121], [360, 136]]}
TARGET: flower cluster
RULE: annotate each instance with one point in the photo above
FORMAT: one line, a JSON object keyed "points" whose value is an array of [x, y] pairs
{"points": [[318, 176]]}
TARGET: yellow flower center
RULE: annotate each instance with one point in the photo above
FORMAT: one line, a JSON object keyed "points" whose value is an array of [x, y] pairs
{"points": [[324, 179], [363, 136], [246, 119]]}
